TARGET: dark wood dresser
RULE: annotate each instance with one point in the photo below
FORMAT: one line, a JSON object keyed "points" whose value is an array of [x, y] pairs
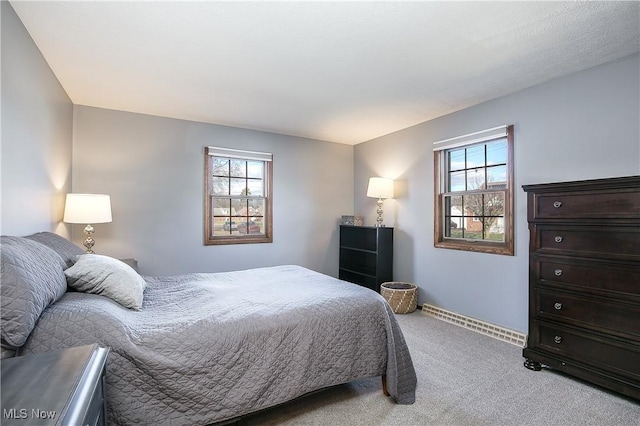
{"points": [[584, 280]]}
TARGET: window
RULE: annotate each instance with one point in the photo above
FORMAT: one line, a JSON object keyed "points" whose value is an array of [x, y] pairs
{"points": [[238, 197], [474, 192]]}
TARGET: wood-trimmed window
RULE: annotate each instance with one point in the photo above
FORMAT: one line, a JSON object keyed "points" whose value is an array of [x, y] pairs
{"points": [[238, 196], [474, 192]]}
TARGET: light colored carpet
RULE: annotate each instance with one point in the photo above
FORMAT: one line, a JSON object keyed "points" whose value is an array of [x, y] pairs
{"points": [[464, 378]]}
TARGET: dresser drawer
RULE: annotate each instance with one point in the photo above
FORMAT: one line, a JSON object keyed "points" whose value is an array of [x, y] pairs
{"points": [[622, 319], [587, 205], [617, 356], [614, 242], [621, 280]]}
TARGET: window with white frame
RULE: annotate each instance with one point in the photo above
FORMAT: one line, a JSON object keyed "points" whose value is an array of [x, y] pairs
{"points": [[474, 191], [238, 196]]}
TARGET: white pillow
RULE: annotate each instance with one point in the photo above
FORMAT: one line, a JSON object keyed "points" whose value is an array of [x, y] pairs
{"points": [[109, 277]]}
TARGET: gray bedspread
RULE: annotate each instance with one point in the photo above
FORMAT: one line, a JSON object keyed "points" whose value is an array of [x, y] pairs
{"points": [[210, 347]]}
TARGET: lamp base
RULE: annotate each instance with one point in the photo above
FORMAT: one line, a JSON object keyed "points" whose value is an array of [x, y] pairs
{"points": [[379, 211], [89, 241]]}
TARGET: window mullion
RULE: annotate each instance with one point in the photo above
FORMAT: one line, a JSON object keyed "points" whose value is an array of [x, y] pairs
{"points": [[483, 218], [486, 168], [466, 170]]}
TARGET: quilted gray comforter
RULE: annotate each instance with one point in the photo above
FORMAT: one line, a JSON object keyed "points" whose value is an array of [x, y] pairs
{"points": [[210, 347]]}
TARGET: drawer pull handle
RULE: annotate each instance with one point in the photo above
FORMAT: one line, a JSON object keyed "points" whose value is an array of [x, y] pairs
{"points": [[557, 306], [557, 204], [558, 239], [557, 339], [558, 272]]}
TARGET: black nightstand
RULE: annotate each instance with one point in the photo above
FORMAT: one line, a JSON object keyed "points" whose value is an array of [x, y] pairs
{"points": [[366, 255], [131, 262], [55, 388]]}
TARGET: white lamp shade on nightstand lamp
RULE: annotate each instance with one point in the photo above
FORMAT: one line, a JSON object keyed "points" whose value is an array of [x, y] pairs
{"points": [[380, 188], [87, 209]]}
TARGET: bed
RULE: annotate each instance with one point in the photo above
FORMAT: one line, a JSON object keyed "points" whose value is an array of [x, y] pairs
{"points": [[205, 347]]}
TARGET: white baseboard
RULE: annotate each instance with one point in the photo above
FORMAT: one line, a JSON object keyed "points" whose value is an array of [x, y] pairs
{"points": [[482, 327]]}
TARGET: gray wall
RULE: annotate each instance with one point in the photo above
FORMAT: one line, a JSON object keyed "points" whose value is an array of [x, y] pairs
{"points": [[583, 126], [153, 169], [37, 118]]}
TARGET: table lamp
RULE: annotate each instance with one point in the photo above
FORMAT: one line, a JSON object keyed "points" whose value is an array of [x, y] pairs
{"points": [[87, 209], [380, 188]]}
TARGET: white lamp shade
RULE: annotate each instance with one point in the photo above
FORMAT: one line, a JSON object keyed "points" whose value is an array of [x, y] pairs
{"points": [[87, 208], [380, 187]]}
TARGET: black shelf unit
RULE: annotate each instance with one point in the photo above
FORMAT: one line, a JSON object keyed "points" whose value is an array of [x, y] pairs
{"points": [[366, 255]]}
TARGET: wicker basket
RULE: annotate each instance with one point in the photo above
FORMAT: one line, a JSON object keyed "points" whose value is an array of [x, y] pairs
{"points": [[402, 297]]}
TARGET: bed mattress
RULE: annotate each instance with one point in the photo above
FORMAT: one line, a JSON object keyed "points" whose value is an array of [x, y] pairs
{"points": [[211, 347]]}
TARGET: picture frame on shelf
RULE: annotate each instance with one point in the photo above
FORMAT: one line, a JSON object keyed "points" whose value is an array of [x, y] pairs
{"points": [[352, 220]]}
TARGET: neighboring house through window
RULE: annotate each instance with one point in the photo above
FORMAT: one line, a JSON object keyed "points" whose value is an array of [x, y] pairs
{"points": [[474, 191], [238, 196]]}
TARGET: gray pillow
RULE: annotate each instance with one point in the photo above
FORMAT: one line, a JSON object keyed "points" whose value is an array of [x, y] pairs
{"points": [[32, 279], [106, 276], [65, 248]]}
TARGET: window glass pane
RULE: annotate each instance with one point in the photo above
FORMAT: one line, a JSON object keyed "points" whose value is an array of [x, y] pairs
{"points": [[255, 169], [494, 204], [219, 186], [497, 177], [475, 179], [222, 226], [453, 205], [456, 181], [222, 207], [238, 168], [475, 156], [473, 228], [494, 229], [475, 216], [473, 205], [238, 186], [239, 207], [456, 159], [453, 216], [256, 208], [497, 152], [256, 187], [456, 228], [252, 226], [259, 223], [220, 166]]}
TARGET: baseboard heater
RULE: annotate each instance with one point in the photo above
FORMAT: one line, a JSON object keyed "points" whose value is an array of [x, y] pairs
{"points": [[482, 327]]}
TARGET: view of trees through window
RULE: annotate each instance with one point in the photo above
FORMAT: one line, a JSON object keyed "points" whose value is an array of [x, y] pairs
{"points": [[238, 196], [474, 202]]}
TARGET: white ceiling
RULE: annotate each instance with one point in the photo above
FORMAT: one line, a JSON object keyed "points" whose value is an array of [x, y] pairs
{"points": [[345, 72]]}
